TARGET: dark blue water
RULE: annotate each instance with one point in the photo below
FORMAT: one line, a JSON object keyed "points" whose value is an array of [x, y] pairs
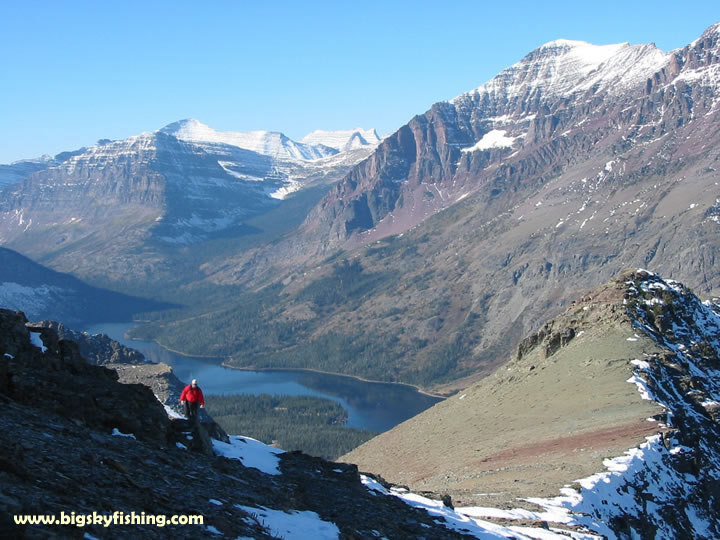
{"points": [[374, 406]]}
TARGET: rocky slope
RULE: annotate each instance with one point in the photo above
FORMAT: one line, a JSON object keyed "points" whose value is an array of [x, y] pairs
{"points": [[633, 364], [79, 443], [45, 294]]}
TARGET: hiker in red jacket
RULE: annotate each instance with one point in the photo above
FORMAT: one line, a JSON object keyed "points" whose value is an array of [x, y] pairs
{"points": [[192, 396]]}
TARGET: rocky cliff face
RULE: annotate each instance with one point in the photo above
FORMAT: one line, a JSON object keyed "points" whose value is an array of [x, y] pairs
{"points": [[131, 367], [631, 365], [49, 373], [97, 349], [565, 103], [575, 140]]}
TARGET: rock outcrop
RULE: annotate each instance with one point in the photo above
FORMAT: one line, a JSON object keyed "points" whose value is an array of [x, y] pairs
{"points": [[49, 373], [132, 368], [97, 349]]}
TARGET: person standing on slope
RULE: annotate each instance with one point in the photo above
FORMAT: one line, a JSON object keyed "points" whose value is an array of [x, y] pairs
{"points": [[191, 397]]}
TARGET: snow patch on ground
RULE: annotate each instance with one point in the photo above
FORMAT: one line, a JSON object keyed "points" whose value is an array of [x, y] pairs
{"points": [[465, 520], [291, 187], [642, 386], [117, 433], [495, 138], [251, 453], [171, 413], [36, 340], [294, 524], [32, 300], [607, 490]]}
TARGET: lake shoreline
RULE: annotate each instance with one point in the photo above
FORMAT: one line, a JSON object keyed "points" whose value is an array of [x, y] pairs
{"points": [[224, 363], [355, 377], [374, 405]]}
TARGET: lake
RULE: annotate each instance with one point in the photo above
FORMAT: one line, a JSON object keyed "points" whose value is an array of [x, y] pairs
{"points": [[370, 405]]}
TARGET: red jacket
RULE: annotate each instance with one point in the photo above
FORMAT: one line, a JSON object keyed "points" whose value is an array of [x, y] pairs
{"points": [[192, 394]]}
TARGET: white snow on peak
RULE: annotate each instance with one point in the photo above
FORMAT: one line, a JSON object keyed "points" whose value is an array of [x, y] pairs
{"points": [[563, 67], [704, 76], [45, 158], [343, 140], [269, 143], [713, 29], [137, 144], [587, 53]]}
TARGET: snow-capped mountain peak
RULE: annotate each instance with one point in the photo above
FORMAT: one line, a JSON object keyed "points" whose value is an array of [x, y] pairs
{"points": [[45, 158], [191, 129], [564, 67], [713, 30], [343, 140], [593, 54], [269, 143]]}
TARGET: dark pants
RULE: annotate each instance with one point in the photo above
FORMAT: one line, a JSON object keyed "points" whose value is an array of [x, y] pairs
{"points": [[191, 408]]}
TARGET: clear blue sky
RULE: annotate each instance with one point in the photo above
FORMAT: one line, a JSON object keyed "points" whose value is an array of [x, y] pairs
{"points": [[73, 72]]}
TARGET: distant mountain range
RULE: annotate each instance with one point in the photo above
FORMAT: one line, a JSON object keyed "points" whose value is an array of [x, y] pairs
{"points": [[455, 254], [268, 143], [343, 140], [462, 231], [486, 215], [113, 211]]}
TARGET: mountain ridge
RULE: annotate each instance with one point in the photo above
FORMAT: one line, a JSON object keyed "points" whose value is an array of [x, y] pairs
{"points": [[93, 211], [460, 253], [633, 363], [491, 241], [269, 143], [343, 140], [539, 80]]}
